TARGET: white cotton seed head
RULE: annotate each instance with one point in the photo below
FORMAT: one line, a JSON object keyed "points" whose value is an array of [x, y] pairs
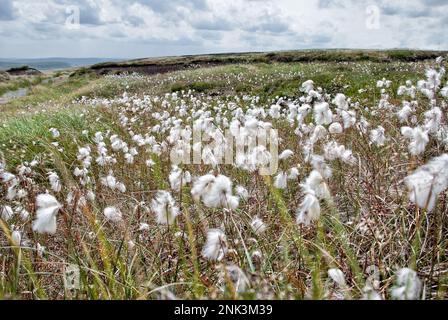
{"points": [[40, 250], [335, 128], [286, 154], [293, 173], [47, 209], [340, 101], [378, 137], [319, 165], [281, 180], [433, 119], [427, 182], [322, 113], [258, 225], [109, 181], [237, 276], [215, 192], [143, 227], [407, 285], [319, 133], [307, 86], [121, 187], [242, 192], [90, 196], [78, 172], [275, 111], [129, 158], [348, 118], [164, 207], [418, 139], [404, 113], [369, 293], [113, 214], [309, 209], [55, 183], [337, 276], [215, 247], [150, 163], [420, 188], [16, 237], [23, 213], [317, 184], [178, 178], [201, 185], [444, 91], [7, 213]]}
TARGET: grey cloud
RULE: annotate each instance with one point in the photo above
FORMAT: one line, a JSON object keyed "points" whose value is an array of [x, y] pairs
{"points": [[389, 8], [166, 6], [437, 40], [322, 39], [172, 42], [213, 24], [326, 4], [435, 3], [210, 35], [411, 12], [251, 40], [269, 26], [444, 21], [399, 8], [6, 10], [44, 30], [88, 15], [269, 23], [134, 21]]}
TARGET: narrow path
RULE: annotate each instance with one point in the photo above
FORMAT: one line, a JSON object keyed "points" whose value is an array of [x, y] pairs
{"points": [[13, 94]]}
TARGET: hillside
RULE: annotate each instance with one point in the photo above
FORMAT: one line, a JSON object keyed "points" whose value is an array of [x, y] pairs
{"points": [[168, 64]]}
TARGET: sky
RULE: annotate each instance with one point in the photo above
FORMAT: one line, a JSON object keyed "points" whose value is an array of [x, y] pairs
{"points": [[148, 28]]}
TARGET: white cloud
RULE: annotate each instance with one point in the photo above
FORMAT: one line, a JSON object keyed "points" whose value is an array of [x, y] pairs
{"points": [[159, 27]]}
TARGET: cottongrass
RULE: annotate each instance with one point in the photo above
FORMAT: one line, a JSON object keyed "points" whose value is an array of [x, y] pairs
{"points": [[215, 247], [418, 139], [258, 226], [215, 192], [113, 214], [165, 208], [7, 213], [309, 209], [337, 276], [407, 285], [47, 209], [428, 181]]}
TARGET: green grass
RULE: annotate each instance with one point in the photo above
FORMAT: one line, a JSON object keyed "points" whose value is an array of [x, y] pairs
{"points": [[51, 93], [18, 83], [24, 137]]}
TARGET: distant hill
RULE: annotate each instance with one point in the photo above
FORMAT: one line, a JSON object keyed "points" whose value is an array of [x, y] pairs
{"points": [[174, 63], [51, 63]]}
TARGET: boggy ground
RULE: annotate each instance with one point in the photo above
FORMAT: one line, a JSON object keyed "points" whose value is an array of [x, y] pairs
{"points": [[337, 220]]}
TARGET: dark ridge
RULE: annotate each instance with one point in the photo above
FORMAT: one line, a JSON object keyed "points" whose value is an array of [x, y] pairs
{"points": [[168, 64], [23, 70]]}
